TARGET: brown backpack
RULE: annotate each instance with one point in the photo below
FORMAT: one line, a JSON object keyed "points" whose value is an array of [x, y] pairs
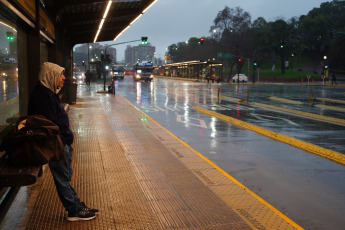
{"points": [[35, 143]]}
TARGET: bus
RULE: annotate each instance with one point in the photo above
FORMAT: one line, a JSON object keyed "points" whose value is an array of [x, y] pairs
{"points": [[143, 71]]}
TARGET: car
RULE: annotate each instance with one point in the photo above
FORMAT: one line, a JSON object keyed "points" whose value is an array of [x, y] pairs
{"points": [[243, 78], [118, 72]]}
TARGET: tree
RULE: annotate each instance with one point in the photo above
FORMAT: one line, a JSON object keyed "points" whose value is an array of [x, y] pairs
{"points": [[281, 32], [308, 35], [232, 26]]}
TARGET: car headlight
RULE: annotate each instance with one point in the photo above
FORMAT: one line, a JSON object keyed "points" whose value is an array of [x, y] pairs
{"points": [[151, 76], [138, 76]]}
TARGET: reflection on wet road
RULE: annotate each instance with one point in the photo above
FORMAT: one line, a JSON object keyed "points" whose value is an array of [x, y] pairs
{"points": [[248, 104], [308, 188]]}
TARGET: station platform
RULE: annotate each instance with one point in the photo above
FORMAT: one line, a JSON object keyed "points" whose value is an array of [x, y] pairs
{"points": [[140, 176]]}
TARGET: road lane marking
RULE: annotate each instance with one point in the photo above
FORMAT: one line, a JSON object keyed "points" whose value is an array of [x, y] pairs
{"points": [[332, 120], [318, 117], [331, 100], [273, 118], [231, 99], [285, 100], [326, 153], [201, 122], [330, 107]]}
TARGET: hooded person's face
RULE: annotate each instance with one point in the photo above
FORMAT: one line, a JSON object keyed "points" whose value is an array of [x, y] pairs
{"points": [[61, 80], [52, 76]]}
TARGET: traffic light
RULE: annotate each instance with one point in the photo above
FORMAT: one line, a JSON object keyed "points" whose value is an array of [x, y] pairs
{"points": [[239, 61], [282, 44], [202, 41], [108, 59], [144, 40], [255, 63], [9, 35]]}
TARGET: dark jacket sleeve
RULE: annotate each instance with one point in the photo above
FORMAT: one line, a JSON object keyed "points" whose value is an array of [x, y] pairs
{"points": [[45, 102]]}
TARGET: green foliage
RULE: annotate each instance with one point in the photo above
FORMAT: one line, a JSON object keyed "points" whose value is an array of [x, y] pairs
{"points": [[306, 36]]}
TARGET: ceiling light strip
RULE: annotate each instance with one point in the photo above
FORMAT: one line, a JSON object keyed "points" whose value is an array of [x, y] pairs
{"points": [[107, 9], [121, 32], [101, 24], [103, 19], [150, 6], [135, 19]]}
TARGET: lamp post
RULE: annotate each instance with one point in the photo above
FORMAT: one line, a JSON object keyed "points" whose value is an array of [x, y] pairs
{"points": [[325, 64]]}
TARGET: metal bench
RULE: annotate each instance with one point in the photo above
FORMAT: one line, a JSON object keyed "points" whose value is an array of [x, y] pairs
{"points": [[11, 176], [11, 179]]}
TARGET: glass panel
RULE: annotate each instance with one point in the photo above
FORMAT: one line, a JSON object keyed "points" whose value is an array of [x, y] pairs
{"points": [[9, 102]]}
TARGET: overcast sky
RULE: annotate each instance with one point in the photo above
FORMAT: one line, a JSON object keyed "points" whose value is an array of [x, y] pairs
{"points": [[172, 21]]}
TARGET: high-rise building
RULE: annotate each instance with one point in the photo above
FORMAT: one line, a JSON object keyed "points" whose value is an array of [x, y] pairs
{"points": [[140, 53]]}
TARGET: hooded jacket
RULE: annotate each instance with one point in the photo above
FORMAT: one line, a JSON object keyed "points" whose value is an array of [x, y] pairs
{"points": [[45, 101]]}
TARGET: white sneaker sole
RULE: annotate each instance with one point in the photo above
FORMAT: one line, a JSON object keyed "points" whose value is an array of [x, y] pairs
{"points": [[78, 218]]}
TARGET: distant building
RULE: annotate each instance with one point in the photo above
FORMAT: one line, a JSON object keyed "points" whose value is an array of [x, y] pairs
{"points": [[139, 53], [93, 52], [129, 55]]}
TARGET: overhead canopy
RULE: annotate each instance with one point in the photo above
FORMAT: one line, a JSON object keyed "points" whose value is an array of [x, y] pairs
{"points": [[80, 19]]}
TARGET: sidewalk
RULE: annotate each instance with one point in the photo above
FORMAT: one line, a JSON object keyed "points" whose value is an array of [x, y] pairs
{"points": [[140, 176]]}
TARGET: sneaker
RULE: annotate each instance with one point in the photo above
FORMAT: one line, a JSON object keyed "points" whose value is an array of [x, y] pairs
{"points": [[81, 215], [85, 208]]}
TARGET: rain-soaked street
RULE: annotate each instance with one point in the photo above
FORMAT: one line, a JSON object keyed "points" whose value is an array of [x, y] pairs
{"points": [[307, 188]]}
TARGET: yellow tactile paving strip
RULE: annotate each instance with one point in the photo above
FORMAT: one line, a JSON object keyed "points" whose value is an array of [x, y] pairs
{"points": [[140, 176]]}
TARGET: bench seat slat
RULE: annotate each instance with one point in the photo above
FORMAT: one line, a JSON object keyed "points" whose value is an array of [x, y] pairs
{"points": [[11, 176]]}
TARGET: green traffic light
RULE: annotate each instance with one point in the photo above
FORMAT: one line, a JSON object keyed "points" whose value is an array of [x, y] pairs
{"points": [[144, 40], [9, 36]]}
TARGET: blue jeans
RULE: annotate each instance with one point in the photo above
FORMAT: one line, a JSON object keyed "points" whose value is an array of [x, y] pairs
{"points": [[62, 174]]}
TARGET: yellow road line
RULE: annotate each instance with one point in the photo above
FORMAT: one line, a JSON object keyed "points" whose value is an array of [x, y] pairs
{"points": [[231, 99], [331, 100], [329, 154], [330, 107], [285, 100], [333, 120], [284, 217]]}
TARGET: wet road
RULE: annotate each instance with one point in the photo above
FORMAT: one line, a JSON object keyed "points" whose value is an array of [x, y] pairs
{"points": [[307, 188], [8, 89]]}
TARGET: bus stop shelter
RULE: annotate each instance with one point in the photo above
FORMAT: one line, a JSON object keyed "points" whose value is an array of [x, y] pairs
{"points": [[198, 69]]}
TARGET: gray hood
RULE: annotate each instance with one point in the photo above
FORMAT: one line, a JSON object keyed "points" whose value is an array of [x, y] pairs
{"points": [[49, 75]]}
